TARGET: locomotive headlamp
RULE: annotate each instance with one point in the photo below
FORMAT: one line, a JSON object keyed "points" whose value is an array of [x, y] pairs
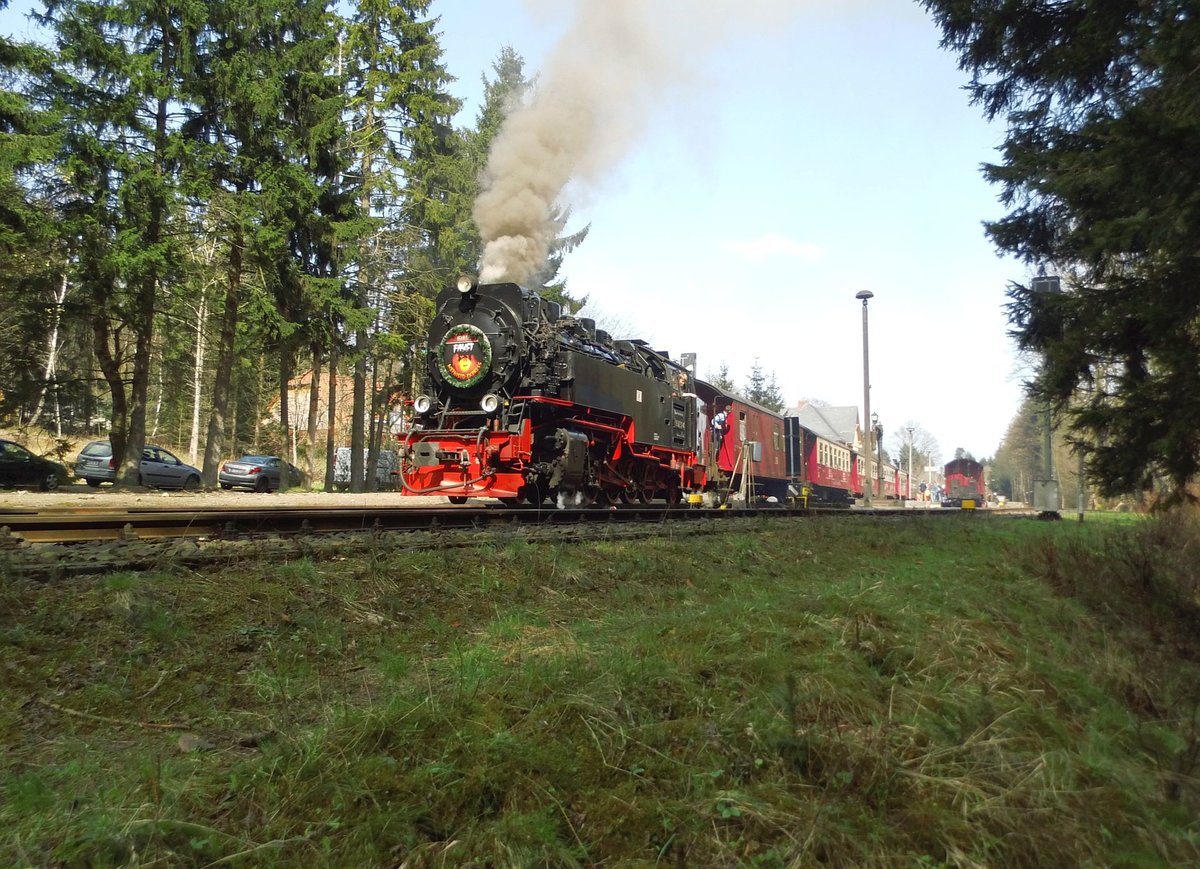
{"points": [[422, 404], [465, 284], [490, 403]]}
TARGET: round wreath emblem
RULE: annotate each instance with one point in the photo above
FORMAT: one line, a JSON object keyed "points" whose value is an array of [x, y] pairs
{"points": [[466, 355]]}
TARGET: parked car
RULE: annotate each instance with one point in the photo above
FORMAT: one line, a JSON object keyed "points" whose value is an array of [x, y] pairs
{"points": [[385, 478], [260, 473], [159, 468], [20, 467]]}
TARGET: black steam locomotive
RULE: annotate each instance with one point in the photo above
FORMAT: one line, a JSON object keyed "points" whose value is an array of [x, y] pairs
{"points": [[524, 403]]}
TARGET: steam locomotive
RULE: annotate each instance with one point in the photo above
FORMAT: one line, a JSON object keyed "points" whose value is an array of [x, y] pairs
{"points": [[527, 405]]}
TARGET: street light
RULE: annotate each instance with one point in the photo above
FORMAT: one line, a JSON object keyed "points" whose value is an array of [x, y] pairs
{"points": [[910, 446], [866, 296]]}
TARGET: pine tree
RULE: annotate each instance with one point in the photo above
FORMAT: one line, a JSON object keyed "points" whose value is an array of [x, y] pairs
{"points": [[1101, 164], [438, 184], [721, 379], [400, 127], [119, 72], [316, 203], [236, 161], [32, 290], [26, 140], [762, 389]]}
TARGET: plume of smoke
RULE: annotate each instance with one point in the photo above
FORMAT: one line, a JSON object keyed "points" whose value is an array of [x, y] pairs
{"points": [[616, 62]]}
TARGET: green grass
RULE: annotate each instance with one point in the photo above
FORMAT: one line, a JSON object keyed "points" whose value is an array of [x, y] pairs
{"points": [[891, 693]]}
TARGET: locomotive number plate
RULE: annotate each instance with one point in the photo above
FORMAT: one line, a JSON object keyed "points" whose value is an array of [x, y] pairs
{"points": [[466, 355]]}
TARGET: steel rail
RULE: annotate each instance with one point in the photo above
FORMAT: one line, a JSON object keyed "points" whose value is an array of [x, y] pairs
{"points": [[141, 523]]}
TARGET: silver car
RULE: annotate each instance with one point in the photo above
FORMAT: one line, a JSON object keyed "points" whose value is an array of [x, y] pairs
{"points": [[260, 473], [159, 468]]}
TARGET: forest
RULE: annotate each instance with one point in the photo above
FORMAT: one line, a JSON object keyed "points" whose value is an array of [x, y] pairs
{"points": [[207, 207]]}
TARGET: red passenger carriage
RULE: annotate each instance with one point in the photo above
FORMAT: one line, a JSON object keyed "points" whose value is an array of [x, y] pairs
{"points": [[746, 451]]}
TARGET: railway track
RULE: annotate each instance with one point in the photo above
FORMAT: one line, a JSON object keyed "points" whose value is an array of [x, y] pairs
{"points": [[72, 541], [80, 525]]}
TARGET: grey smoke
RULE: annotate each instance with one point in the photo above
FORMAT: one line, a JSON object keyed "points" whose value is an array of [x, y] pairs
{"points": [[616, 64]]}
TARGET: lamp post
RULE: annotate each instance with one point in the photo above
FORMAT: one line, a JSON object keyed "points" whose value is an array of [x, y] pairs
{"points": [[910, 446], [866, 296]]}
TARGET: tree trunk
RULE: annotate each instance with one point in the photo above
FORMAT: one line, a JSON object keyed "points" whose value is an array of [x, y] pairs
{"points": [[51, 372], [257, 409], [381, 401], [314, 409], [130, 471], [107, 358], [98, 282], [158, 398], [372, 483], [214, 444], [357, 421], [198, 373], [331, 430], [285, 418]]}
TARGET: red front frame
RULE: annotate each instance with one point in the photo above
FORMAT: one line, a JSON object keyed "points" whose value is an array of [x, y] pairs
{"points": [[491, 463]]}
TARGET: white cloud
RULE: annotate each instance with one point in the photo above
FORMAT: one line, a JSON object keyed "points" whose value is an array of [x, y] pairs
{"points": [[774, 245]]}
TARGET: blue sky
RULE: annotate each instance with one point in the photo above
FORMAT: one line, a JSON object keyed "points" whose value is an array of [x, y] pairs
{"points": [[808, 156]]}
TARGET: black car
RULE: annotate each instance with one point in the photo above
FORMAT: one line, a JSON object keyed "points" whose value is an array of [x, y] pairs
{"points": [[20, 467], [260, 473]]}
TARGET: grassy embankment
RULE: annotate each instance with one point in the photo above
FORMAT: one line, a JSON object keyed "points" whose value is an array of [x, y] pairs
{"points": [[888, 693]]}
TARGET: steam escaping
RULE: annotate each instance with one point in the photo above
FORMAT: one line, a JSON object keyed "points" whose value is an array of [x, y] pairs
{"points": [[615, 65]]}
